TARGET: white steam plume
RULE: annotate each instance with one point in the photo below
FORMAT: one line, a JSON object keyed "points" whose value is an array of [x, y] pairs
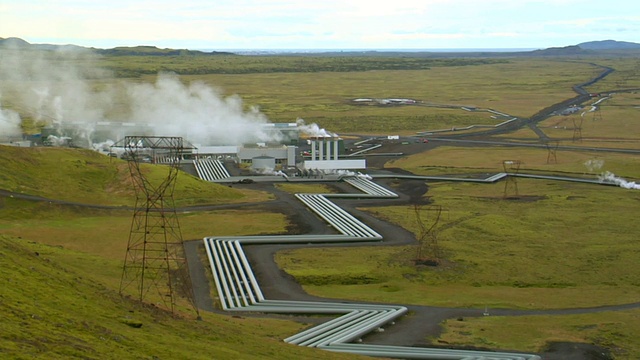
{"points": [[270, 171], [195, 111], [9, 123], [64, 88], [594, 164], [53, 87], [313, 130], [612, 178], [349, 173]]}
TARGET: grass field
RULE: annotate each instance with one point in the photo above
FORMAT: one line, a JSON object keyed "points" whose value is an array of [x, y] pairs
{"points": [[535, 253], [562, 246], [99, 179], [625, 75], [452, 160], [325, 97], [616, 330], [611, 125], [56, 305], [61, 267]]}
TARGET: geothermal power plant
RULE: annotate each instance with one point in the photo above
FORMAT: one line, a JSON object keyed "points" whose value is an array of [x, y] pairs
{"points": [[291, 149]]}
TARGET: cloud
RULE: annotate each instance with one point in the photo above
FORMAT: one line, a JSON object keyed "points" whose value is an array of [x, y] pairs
{"points": [[315, 24]]}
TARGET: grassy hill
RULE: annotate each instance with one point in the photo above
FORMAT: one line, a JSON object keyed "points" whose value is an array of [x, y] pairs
{"points": [[54, 308], [85, 176], [60, 267]]}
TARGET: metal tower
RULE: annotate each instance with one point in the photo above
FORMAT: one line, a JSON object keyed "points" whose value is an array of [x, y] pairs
{"points": [[597, 115], [511, 168], [552, 149], [428, 249], [577, 128], [155, 265]]}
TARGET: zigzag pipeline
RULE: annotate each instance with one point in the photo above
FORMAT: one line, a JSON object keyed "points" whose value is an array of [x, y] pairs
{"points": [[238, 289]]}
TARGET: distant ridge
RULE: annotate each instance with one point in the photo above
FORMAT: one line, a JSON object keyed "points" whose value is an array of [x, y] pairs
{"points": [[154, 51], [608, 45], [559, 51], [13, 41], [591, 48], [18, 43]]}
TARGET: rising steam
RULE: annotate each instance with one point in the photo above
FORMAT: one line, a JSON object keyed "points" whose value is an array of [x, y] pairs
{"points": [[66, 88], [609, 177], [195, 111], [313, 130], [9, 123], [594, 165]]}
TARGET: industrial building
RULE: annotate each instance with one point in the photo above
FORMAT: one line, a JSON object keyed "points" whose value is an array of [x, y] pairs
{"points": [[325, 155], [322, 153]]}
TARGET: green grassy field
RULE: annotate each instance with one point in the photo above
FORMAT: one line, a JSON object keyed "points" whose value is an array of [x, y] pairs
{"points": [[99, 179], [617, 330], [452, 160], [534, 253], [57, 306], [325, 97], [61, 267]]}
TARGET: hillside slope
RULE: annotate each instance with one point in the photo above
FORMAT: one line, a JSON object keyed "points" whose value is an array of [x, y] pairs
{"points": [[58, 303], [52, 310], [86, 176]]}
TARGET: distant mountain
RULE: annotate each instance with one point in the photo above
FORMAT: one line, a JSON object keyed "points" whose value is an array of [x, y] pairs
{"points": [[154, 51], [560, 51], [13, 42], [609, 45], [18, 43], [591, 48]]}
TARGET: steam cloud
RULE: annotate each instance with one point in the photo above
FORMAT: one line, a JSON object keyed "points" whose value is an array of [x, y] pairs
{"points": [[313, 129], [195, 111], [594, 164], [611, 178], [65, 88], [9, 123]]}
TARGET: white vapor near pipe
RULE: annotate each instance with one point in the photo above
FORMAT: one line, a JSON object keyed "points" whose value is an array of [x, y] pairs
{"points": [[612, 178]]}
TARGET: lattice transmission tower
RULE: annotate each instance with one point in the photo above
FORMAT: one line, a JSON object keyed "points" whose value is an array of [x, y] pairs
{"points": [[428, 251], [155, 264], [511, 168], [597, 114], [577, 128], [552, 149]]}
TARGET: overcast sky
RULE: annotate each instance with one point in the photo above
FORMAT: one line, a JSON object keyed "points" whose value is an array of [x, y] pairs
{"points": [[321, 24]]}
